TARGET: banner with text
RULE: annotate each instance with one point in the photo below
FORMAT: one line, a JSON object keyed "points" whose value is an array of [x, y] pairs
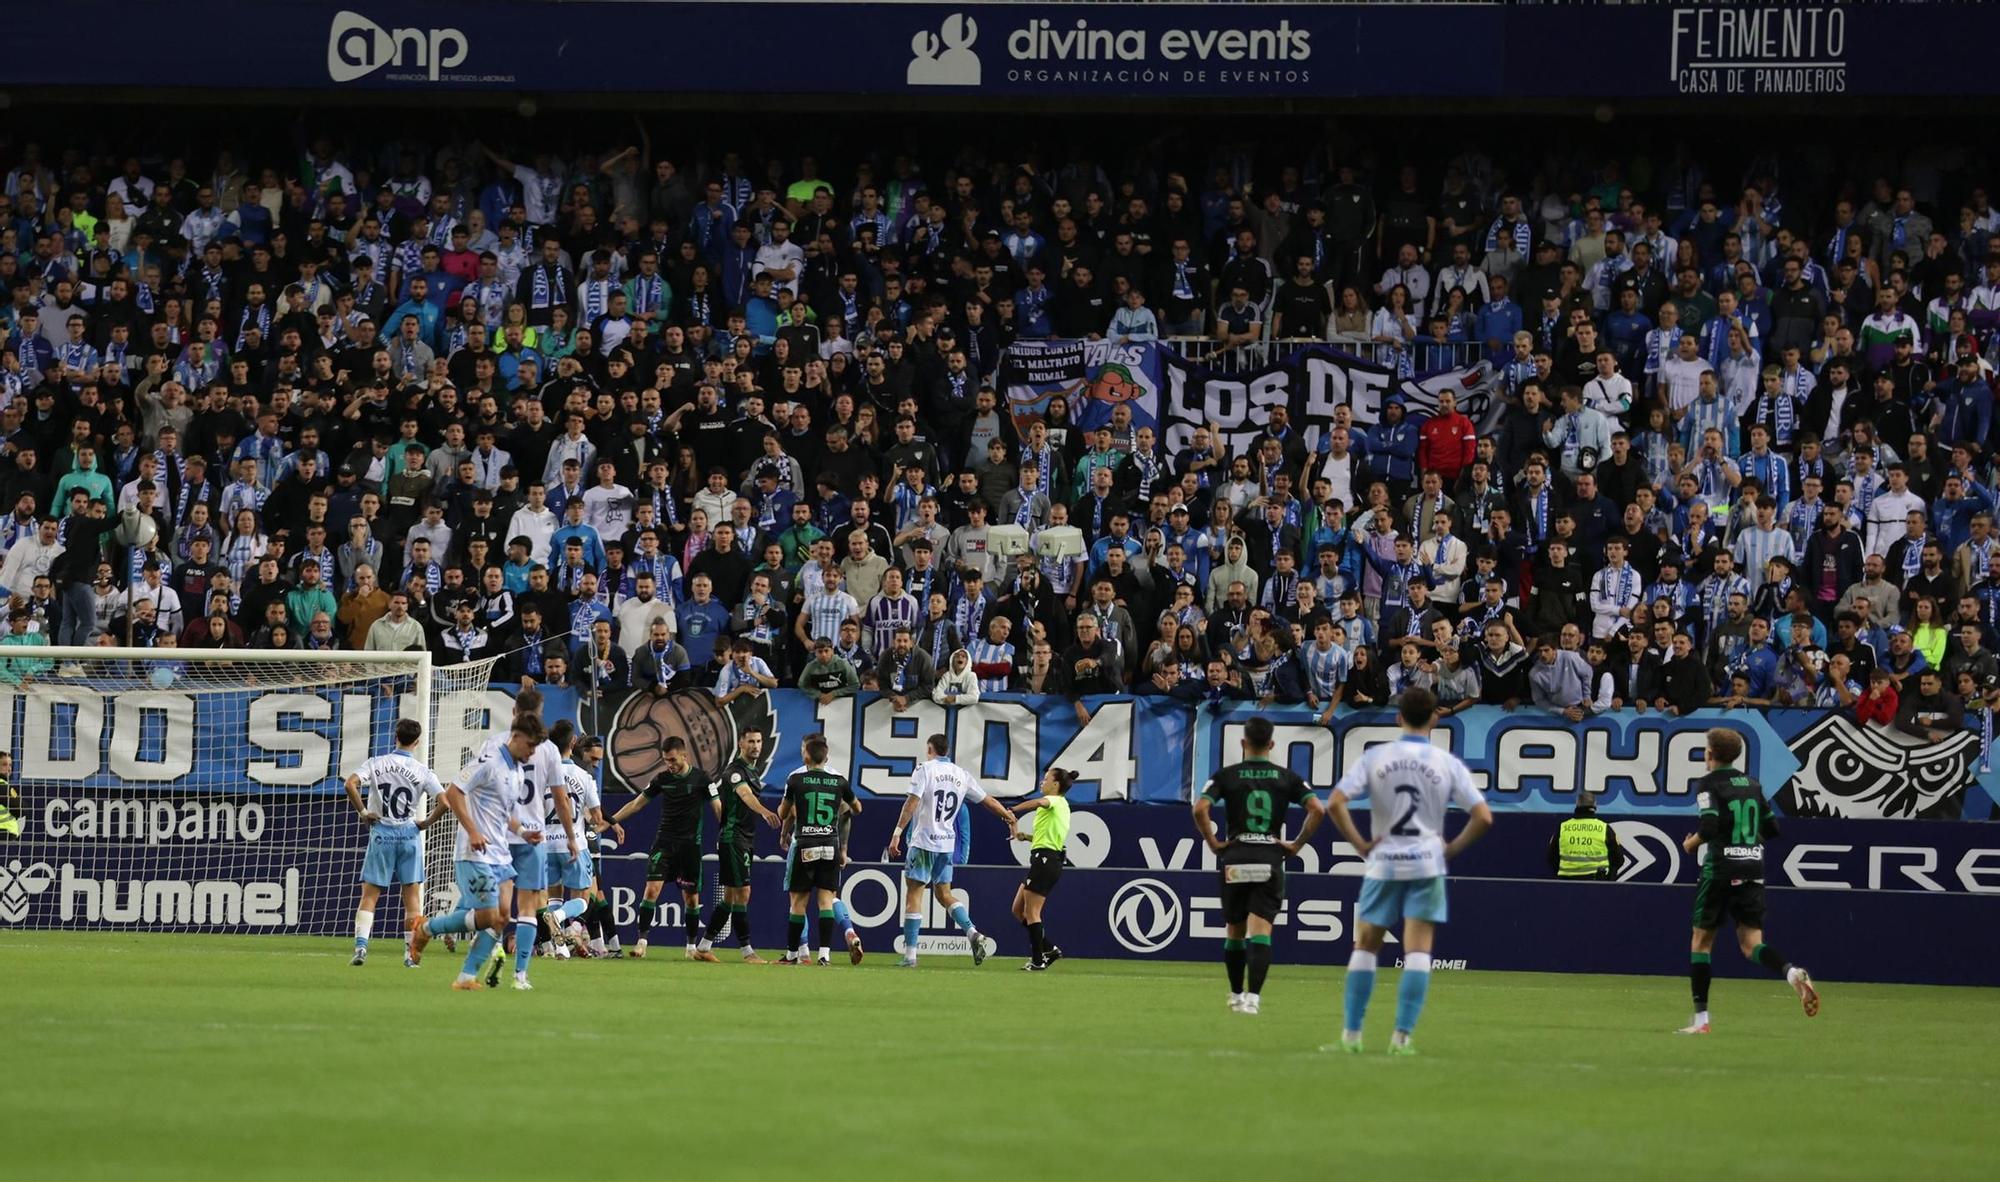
{"points": [[968, 49], [1813, 763], [1175, 396]]}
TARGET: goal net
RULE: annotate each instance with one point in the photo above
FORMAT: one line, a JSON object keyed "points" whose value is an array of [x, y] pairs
{"points": [[185, 790]]}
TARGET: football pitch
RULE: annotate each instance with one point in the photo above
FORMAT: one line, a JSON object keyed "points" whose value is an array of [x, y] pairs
{"points": [[146, 1056]]}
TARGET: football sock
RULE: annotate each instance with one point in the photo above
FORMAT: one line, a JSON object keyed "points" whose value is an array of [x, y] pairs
{"points": [[912, 924], [1259, 955], [718, 920], [795, 933], [1412, 990], [963, 918], [364, 923], [648, 911], [739, 924], [1360, 984], [572, 909], [445, 925], [1698, 974], [1768, 956], [825, 931], [691, 916], [1232, 960], [524, 943], [841, 917], [1038, 940], [482, 947]]}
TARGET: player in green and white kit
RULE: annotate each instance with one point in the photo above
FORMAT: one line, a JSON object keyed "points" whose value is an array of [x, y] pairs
{"points": [[1045, 863], [684, 792], [1255, 795], [809, 822], [736, 845], [1735, 824]]}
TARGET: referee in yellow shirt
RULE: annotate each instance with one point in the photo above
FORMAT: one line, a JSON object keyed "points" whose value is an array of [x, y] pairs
{"points": [[1045, 862]]}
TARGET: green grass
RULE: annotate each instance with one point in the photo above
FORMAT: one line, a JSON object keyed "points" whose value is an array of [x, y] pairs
{"points": [[221, 1057]]}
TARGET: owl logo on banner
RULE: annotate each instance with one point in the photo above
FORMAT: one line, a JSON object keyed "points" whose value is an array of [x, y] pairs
{"points": [[945, 58], [1848, 770]]}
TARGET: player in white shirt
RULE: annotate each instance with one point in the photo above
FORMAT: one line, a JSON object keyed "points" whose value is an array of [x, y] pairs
{"points": [[483, 797], [525, 895], [1409, 784], [939, 788], [575, 874], [397, 784]]}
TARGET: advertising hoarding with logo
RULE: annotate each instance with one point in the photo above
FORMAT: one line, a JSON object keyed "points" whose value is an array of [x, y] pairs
{"points": [[1112, 50]]}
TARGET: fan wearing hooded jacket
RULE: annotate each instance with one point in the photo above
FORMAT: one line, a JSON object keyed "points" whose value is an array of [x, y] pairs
{"points": [[957, 684]]}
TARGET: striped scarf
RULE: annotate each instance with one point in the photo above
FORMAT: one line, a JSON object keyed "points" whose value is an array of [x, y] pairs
{"points": [[1780, 414]]}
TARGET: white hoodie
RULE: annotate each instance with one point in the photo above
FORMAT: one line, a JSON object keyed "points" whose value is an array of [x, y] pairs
{"points": [[957, 685]]}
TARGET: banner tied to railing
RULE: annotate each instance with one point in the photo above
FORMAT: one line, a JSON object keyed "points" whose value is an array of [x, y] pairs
{"points": [[1175, 396]]}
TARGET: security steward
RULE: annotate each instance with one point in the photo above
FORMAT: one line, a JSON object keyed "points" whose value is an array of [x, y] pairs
{"points": [[1583, 846]]}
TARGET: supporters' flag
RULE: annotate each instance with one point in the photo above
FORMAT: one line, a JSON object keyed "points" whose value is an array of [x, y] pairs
{"points": [[1176, 396]]}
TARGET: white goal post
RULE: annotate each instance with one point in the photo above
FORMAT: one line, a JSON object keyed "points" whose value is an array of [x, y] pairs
{"points": [[170, 789]]}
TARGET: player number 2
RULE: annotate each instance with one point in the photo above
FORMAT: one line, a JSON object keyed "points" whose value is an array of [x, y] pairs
{"points": [[947, 806], [1402, 827]]}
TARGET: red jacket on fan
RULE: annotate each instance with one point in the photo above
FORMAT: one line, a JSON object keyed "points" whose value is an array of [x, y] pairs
{"points": [[1445, 445], [1869, 708]]}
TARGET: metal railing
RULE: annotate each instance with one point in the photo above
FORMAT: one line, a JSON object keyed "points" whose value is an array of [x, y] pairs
{"points": [[1423, 358]]}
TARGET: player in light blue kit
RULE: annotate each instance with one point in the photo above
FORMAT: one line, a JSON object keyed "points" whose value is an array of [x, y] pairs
{"points": [[1409, 784], [483, 798], [575, 874], [397, 784], [525, 896], [939, 790]]}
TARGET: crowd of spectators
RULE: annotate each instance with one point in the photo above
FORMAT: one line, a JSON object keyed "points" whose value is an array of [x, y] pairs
{"points": [[627, 425]]}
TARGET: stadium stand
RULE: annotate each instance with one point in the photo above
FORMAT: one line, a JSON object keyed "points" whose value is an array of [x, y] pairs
{"points": [[616, 415]]}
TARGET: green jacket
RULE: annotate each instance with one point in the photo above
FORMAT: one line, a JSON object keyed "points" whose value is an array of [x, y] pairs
{"points": [[835, 677], [302, 602], [90, 480], [15, 670]]}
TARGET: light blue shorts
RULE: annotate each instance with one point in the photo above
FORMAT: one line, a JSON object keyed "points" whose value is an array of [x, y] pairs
{"points": [[392, 857], [531, 866], [927, 866], [478, 885], [1386, 902], [565, 871]]}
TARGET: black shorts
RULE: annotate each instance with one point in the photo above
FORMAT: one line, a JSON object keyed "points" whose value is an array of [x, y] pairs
{"points": [[1258, 889], [1742, 900], [678, 861], [1045, 869], [821, 874], [735, 865]]}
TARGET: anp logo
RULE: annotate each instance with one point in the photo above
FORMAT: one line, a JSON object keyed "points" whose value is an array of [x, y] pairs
{"points": [[357, 47], [19, 885], [945, 58], [1145, 915]]}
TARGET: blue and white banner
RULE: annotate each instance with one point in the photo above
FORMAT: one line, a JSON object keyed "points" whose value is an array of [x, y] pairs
{"points": [[266, 741], [1813, 763], [1174, 396], [83, 742]]}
